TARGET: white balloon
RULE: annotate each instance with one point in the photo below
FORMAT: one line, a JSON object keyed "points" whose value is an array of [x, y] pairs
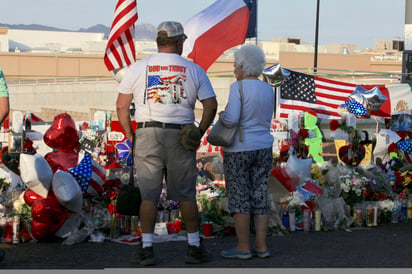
{"points": [[67, 191], [36, 173]]}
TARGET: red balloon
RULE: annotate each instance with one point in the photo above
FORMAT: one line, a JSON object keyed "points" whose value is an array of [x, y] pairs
{"points": [[39, 230], [49, 211], [30, 197], [62, 134], [62, 160]]}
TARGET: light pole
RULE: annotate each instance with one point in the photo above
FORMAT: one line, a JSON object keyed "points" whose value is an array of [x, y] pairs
{"points": [[315, 62], [407, 52]]}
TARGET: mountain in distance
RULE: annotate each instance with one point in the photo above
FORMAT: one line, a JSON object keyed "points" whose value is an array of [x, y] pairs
{"points": [[143, 31]]}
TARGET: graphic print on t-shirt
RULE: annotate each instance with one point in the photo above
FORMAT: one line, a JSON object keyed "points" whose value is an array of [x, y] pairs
{"points": [[165, 84]]}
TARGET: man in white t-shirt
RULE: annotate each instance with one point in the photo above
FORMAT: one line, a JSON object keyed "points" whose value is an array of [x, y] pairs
{"points": [[164, 88]]}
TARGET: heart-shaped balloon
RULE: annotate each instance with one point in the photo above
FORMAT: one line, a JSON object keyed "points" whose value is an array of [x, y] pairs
{"points": [[275, 75], [62, 160], [352, 155], [30, 197], [49, 211], [62, 134], [39, 230]]}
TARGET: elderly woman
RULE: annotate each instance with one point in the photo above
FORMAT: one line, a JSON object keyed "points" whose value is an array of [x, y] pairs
{"points": [[248, 161]]}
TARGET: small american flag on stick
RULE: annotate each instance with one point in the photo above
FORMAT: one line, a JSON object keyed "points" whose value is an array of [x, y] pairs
{"points": [[120, 49]]}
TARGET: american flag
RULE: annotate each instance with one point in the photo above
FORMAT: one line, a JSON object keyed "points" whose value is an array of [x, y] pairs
{"points": [[90, 176], [83, 173], [157, 81], [120, 50], [172, 84], [154, 81], [405, 145], [302, 92]]}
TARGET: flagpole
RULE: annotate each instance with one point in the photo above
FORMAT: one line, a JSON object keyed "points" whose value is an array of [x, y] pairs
{"points": [[315, 64], [256, 28], [406, 76]]}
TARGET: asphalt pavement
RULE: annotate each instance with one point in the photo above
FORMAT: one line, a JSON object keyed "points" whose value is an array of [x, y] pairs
{"points": [[382, 247]]}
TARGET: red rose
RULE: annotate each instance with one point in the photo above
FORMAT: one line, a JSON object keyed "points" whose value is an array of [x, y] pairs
{"points": [[85, 125], [178, 225], [334, 125], [303, 133], [171, 227], [111, 208]]}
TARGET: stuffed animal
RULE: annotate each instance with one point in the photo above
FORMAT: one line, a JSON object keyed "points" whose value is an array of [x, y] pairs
{"points": [[314, 140]]}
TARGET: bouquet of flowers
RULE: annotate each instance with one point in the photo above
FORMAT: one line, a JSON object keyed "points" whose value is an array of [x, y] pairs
{"points": [[211, 202], [378, 187], [352, 185]]}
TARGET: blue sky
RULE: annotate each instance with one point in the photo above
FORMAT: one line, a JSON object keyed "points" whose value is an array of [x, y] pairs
{"points": [[359, 22]]}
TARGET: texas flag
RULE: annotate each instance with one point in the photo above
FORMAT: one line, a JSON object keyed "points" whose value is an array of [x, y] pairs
{"points": [[219, 27]]}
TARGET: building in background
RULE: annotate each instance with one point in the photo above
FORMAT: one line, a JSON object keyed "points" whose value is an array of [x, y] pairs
{"points": [[54, 71]]}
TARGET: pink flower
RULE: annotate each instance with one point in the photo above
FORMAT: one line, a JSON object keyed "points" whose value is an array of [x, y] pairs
{"points": [[200, 188]]}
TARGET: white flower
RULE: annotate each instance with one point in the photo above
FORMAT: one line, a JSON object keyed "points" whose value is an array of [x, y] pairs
{"points": [[358, 192], [345, 187]]}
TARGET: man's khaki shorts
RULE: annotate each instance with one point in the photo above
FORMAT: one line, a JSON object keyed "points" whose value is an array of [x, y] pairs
{"points": [[159, 155]]}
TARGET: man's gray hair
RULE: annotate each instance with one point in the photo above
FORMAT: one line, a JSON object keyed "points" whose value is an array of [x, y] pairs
{"points": [[252, 60]]}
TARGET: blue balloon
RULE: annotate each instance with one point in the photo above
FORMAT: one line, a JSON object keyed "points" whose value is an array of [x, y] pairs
{"points": [[124, 152], [356, 108]]}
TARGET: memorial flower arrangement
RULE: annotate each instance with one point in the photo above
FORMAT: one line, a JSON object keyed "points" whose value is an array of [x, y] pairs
{"points": [[212, 202], [403, 181], [370, 195], [353, 185]]}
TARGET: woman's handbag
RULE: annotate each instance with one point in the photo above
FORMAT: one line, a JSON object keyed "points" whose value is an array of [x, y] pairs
{"points": [[129, 198], [222, 135]]}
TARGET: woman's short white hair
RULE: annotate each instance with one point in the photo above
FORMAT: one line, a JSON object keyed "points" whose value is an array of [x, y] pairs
{"points": [[252, 60]]}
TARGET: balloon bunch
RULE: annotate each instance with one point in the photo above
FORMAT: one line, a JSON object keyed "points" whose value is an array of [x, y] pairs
{"points": [[48, 215], [53, 192], [362, 101]]}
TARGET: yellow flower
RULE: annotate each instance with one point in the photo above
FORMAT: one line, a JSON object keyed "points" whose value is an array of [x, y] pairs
{"points": [[407, 181]]}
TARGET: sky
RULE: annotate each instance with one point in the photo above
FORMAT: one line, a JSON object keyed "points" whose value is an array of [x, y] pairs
{"points": [[359, 22]]}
